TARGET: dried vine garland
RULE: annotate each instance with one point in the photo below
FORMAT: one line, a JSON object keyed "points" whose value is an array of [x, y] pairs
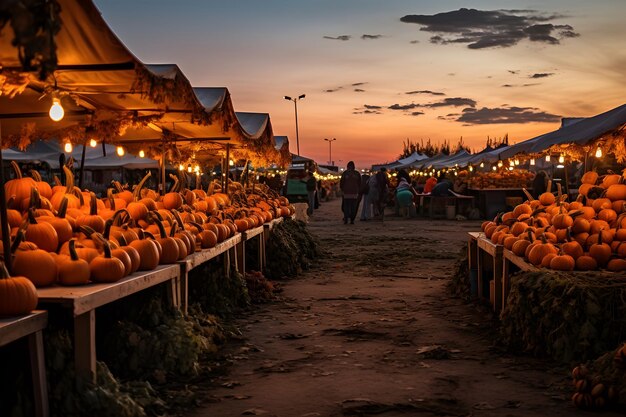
{"points": [[34, 24]]}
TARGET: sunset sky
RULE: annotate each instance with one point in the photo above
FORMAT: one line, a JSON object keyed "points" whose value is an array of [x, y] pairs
{"points": [[376, 72]]}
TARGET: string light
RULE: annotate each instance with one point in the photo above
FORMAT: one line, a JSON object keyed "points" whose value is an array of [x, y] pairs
{"points": [[532, 161], [56, 110], [93, 143], [120, 151], [68, 147], [142, 154], [231, 162], [188, 167], [494, 168], [561, 159], [181, 167], [500, 164], [547, 158], [598, 153], [196, 168], [482, 164], [517, 162], [511, 168], [511, 163]]}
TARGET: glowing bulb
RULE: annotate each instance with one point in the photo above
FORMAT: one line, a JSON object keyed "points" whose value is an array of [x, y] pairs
{"points": [[56, 110], [598, 153], [532, 161], [517, 162], [181, 167], [68, 147], [547, 158], [494, 168], [482, 164], [560, 166], [511, 163], [196, 168], [120, 151], [561, 159], [188, 167], [471, 168], [511, 168], [500, 164], [93, 143], [142, 154], [231, 162]]}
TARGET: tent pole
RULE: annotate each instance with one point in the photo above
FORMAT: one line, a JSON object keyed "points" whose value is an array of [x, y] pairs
{"points": [[82, 165], [246, 173], [6, 236], [162, 165], [227, 163], [104, 149], [223, 173], [565, 166]]}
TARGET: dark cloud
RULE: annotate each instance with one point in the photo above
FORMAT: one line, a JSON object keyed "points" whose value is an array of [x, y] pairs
{"points": [[541, 75], [452, 101], [357, 84], [359, 90], [368, 109], [372, 107], [514, 72], [414, 42], [480, 29], [416, 113], [507, 85], [371, 36], [339, 38], [513, 115], [333, 90], [519, 85], [403, 107], [433, 93]]}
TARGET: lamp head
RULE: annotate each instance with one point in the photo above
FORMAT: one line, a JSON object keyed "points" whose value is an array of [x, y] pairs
{"points": [[287, 98], [301, 96]]}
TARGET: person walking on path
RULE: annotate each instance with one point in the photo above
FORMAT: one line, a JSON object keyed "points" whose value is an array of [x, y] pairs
{"points": [[350, 184], [382, 186], [366, 212], [311, 187]]}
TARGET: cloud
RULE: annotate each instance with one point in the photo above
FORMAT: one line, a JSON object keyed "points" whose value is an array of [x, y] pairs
{"points": [[514, 72], [434, 93], [333, 90], [416, 113], [518, 85], [357, 84], [480, 29], [359, 90], [371, 36], [541, 75], [453, 101], [339, 38], [512, 115], [403, 107], [372, 107], [368, 109], [414, 42]]}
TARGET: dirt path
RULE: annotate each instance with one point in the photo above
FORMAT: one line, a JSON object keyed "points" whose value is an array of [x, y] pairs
{"points": [[372, 330]]}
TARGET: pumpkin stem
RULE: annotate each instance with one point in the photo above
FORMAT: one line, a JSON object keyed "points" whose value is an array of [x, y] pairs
{"points": [[17, 170], [159, 224], [72, 249], [56, 180], [4, 272], [93, 204], [177, 217], [19, 238], [549, 188], [529, 231], [568, 234], [117, 219], [69, 180], [137, 190], [211, 188], [87, 231], [148, 235], [559, 194], [118, 186], [174, 187], [36, 175], [35, 198], [198, 183], [122, 240], [174, 228], [196, 225], [107, 249], [156, 214], [31, 216], [600, 236], [107, 228]]}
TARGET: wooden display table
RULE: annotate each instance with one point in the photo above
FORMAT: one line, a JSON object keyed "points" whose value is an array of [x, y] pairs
{"points": [[491, 201], [227, 247], [249, 234], [508, 259], [489, 260], [31, 326], [472, 260], [83, 301]]}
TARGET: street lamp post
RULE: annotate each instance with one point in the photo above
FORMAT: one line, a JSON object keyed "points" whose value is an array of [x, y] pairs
{"points": [[295, 106], [330, 150]]}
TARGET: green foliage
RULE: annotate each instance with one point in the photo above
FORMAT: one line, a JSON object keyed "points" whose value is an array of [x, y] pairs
{"points": [[460, 281], [214, 292], [290, 249], [567, 316]]}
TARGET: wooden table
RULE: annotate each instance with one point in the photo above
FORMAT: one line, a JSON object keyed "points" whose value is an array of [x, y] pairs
{"points": [[491, 201], [257, 233], [490, 254], [508, 259], [472, 260], [31, 326], [227, 247], [83, 301]]}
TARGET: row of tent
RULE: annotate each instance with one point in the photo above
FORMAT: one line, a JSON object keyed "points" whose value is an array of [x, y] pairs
{"points": [[101, 85], [576, 131]]}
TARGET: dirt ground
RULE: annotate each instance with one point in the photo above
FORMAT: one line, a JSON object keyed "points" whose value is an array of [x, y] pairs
{"points": [[371, 330]]}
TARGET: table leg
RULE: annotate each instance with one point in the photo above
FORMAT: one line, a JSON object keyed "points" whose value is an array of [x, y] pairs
{"points": [[479, 273], [38, 370], [173, 293], [497, 279], [226, 260], [241, 257], [506, 283], [184, 288], [85, 345]]}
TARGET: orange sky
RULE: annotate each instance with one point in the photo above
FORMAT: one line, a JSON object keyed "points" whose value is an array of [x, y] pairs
{"points": [[349, 56]]}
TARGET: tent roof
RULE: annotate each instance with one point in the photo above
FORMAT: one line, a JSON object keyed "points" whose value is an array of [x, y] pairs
{"points": [[452, 160]]}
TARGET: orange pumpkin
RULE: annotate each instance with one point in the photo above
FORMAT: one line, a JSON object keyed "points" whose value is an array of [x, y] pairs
{"points": [[562, 263], [106, 268], [600, 251], [586, 263], [92, 219], [72, 270], [18, 295], [18, 189], [41, 234]]}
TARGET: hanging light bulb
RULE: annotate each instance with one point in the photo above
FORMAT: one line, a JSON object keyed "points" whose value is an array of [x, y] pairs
{"points": [[120, 151], [511, 168], [511, 163], [532, 161], [494, 168], [56, 110], [196, 168], [561, 159], [93, 143], [598, 153], [547, 158], [482, 164], [188, 167], [181, 167], [68, 147], [142, 154], [517, 162], [500, 164], [470, 168], [231, 162]]}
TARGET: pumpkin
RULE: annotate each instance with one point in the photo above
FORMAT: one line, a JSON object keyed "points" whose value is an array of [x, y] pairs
{"points": [[610, 179], [540, 250], [73, 270], [136, 209], [41, 233], [35, 264], [135, 260], [600, 251], [170, 250], [93, 220], [106, 268], [148, 253], [73, 200], [18, 189], [590, 177], [44, 188], [124, 256], [123, 194], [572, 247], [562, 262], [616, 192], [586, 263], [616, 265], [18, 295]]}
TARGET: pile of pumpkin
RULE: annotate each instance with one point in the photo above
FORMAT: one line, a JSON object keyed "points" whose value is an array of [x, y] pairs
{"points": [[592, 393], [67, 236], [587, 234]]}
